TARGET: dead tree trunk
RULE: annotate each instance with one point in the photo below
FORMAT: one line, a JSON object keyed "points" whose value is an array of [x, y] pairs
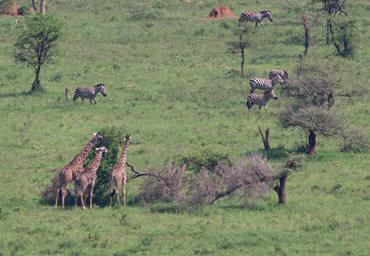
{"points": [[265, 138], [280, 188], [311, 143], [34, 6], [329, 31], [307, 34], [42, 7], [66, 94], [242, 47]]}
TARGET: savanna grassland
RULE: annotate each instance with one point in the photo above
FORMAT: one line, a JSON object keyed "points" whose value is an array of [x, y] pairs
{"points": [[173, 84]]}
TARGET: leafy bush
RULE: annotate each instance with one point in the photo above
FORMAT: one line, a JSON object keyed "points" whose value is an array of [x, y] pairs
{"points": [[354, 140], [345, 38], [112, 140], [23, 10]]}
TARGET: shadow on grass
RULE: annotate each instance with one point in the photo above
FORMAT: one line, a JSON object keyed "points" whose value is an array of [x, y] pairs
{"points": [[277, 153], [15, 94]]}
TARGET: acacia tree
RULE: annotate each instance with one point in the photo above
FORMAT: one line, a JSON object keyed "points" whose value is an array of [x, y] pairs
{"points": [[331, 8], [312, 96], [36, 44]]}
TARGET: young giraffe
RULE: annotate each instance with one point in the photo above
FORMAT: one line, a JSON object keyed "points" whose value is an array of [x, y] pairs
{"points": [[118, 176], [88, 178], [69, 172]]}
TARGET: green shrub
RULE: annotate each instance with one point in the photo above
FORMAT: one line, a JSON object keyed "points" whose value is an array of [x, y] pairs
{"points": [[112, 140], [23, 10]]}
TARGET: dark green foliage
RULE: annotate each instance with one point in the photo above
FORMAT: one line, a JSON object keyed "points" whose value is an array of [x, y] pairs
{"points": [[5, 6], [36, 44], [23, 10], [345, 38], [112, 140]]}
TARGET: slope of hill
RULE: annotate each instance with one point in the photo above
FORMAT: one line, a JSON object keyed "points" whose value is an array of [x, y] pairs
{"points": [[172, 83]]}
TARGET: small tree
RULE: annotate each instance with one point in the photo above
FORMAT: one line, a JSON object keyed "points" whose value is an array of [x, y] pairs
{"points": [[36, 44], [309, 109], [331, 8], [345, 38]]}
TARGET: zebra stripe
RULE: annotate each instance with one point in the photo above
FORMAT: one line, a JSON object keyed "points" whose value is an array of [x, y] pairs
{"points": [[264, 84], [255, 16], [254, 99], [276, 72], [89, 92]]}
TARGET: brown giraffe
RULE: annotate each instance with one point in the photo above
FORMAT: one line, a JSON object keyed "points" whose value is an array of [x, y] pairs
{"points": [[88, 178], [118, 176], [69, 172]]}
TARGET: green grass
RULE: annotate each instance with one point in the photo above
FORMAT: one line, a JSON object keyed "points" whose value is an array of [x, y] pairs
{"points": [[170, 83]]}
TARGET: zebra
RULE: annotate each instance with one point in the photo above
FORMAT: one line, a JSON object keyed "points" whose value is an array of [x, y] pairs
{"points": [[89, 92], [265, 84], [255, 16], [254, 99], [282, 73]]}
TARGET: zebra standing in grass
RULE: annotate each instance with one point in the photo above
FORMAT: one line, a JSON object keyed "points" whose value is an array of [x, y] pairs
{"points": [[265, 84], [89, 92], [254, 99], [282, 73], [255, 17]]}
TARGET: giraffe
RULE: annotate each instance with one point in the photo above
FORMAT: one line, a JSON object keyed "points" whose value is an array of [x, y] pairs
{"points": [[118, 176], [69, 172], [88, 178]]}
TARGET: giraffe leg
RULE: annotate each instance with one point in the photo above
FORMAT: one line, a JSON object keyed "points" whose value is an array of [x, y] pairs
{"points": [[57, 198], [76, 197], [64, 191], [91, 195], [82, 201], [118, 191], [124, 193]]}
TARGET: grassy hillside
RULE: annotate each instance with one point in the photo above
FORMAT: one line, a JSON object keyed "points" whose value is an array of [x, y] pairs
{"points": [[171, 83]]}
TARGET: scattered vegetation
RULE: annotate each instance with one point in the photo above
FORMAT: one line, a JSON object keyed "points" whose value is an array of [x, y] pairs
{"points": [[36, 44]]}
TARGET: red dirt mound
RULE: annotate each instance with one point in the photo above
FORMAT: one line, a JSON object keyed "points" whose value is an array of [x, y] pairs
{"points": [[11, 10], [221, 12]]}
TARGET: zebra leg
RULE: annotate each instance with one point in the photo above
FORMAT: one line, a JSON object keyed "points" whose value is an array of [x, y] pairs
{"points": [[90, 100], [94, 100]]}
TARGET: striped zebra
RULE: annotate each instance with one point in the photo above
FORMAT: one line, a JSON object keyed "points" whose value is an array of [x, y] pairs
{"points": [[255, 17], [265, 84], [89, 92], [254, 99], [282, 73]]}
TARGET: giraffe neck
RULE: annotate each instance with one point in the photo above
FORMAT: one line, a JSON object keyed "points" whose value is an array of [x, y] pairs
{"points": [[96, 163], [122, 159], [80, 158]]}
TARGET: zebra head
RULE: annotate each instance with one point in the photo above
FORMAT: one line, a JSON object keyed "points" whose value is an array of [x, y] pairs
{"points": [[270, 95], [267, 14], [277, 79], [100, 88]]}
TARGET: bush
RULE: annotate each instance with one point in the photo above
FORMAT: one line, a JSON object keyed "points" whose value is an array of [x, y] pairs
{"points": [[23, 10], [345, 38], [112, 140], [354, 140]]}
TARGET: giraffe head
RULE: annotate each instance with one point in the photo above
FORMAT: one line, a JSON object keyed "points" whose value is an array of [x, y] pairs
{"points": [[98, 135], [102, 149], [267, 14], [100, 88]]}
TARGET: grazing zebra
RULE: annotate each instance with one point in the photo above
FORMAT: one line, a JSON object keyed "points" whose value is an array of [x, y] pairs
{"points": [[89, 92], [265, 84], [254, 99], [282, 73], [255, 17]]}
